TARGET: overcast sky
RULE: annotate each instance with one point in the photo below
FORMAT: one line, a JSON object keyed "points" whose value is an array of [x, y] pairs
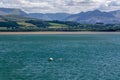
{"points": [[55, 6]]}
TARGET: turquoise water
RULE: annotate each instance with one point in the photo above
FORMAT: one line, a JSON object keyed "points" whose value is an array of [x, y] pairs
{"points": [[84, 57]]}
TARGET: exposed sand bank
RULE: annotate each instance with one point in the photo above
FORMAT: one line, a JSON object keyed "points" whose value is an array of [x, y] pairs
{"points": [[59, 33]]}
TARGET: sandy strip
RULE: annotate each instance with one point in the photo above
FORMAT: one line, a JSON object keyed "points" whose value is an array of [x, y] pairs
{"points": [[1, 33]]}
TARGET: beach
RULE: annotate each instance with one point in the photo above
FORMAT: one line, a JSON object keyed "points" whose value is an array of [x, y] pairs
{"points": [[1, 33]]}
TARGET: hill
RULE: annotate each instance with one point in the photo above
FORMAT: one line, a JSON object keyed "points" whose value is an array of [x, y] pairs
{"points": [[93, 17], [18, 20], [49, 16], [90, 17], [12, 11]]}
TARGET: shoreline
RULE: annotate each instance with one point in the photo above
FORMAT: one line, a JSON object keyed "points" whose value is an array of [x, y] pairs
{"points": [[12, 33]]}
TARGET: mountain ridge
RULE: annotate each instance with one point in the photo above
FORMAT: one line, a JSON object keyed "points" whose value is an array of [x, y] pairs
{"points": [[89, 17], [83, 17], [12, 11]]}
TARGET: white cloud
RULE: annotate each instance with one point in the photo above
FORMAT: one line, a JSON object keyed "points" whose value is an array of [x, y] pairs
{"points": [[53, 6]]}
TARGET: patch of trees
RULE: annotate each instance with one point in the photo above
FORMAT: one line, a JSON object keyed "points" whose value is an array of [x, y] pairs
{"points": [[100, 27], [69, 23], [9, 24], [39, 23]]}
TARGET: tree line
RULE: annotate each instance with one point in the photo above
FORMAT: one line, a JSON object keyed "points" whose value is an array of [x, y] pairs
{"points": [[71, 26]]}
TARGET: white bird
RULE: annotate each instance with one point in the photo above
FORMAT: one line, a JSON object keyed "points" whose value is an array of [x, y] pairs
{"points": [[50, 59]]}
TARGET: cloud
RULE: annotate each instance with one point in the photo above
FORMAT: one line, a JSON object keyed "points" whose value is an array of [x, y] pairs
{"points": [[67, 6]]}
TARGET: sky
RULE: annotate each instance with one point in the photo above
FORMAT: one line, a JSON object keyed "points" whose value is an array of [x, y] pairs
{"points": [[61, 6]]}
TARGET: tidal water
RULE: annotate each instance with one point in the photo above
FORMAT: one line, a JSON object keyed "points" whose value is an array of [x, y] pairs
{"points": [[84, 57]]}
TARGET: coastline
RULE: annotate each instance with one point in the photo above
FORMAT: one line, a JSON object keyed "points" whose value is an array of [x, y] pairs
{"points": [[12, 33]]}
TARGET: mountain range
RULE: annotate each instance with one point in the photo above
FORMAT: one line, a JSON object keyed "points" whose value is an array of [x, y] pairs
{"points": [[83, 17], [50, 16]]}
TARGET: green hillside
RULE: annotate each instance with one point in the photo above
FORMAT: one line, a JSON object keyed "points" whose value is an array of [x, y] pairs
{"points": [[57, 25], [18, 23]]}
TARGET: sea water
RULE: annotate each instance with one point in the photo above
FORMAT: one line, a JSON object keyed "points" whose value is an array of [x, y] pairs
{"points": [[83, 57]]}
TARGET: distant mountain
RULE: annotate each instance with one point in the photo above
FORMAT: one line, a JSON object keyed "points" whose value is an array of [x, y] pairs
{"points": [[50, 16], [83, 17], [14, 18], [18, 20], [94, 17], [12, 11]]}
